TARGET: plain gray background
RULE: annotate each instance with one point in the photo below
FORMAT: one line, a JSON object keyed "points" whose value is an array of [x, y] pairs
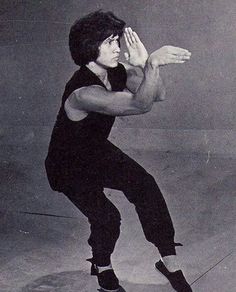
{"points": [[199, 112], [188, 142]]}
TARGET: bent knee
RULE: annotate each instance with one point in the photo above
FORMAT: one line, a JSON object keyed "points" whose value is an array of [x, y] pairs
{"points": [[144, 192], [147, 182], [109, 218]]}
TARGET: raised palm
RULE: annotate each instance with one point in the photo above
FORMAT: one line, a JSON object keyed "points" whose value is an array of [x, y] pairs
{"points": [[137, 53]]}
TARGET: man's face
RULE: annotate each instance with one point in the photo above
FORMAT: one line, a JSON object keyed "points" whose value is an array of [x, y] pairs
{"points": [[109, 52]]}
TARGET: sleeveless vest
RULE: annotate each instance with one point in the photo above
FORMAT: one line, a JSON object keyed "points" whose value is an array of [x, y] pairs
{"points": [[76, 142]]}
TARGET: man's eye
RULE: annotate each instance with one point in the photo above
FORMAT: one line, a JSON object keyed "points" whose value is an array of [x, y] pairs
{"points": [[110, 42]]}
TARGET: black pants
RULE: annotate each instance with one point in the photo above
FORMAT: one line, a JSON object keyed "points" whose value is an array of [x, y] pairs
{"points": [[111, 168]]}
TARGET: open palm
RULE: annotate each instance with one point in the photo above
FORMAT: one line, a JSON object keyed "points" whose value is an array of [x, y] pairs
{"points": [[137, 53]]}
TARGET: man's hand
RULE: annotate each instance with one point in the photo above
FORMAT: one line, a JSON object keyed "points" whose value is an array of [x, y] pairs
{"points": [[137, 54], [168, 55]]}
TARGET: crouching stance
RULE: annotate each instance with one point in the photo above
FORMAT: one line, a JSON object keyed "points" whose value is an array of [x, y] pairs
{"points": [[81, 161]]}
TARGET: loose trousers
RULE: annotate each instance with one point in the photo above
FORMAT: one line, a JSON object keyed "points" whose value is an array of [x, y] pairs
{"points": [[111, 168]]}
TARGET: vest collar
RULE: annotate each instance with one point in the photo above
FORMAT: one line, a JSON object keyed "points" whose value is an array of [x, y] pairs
{"points": [[94, 77]]}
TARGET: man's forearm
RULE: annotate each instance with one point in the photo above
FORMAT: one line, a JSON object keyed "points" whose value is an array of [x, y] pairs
{"points": [[135, 78], [149, 89], [161, 90]]}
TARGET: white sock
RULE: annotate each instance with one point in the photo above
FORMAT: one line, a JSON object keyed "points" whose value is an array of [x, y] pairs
{"points": [[171, 263], [102, 269]]}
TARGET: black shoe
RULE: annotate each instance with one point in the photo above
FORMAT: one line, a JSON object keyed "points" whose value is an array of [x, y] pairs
{"points": [[107, 279], [176, 279]]}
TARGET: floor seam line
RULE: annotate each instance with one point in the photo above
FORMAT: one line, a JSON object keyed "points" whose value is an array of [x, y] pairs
{"points": [[45, 214], [211, 268]]}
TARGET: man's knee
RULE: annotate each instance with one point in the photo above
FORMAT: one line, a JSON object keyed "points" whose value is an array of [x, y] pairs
{"points": [[114, 218], [149, 181], [144, 192], [145, 183], [109, 219]]}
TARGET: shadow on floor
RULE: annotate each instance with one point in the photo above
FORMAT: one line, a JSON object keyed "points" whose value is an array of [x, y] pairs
{"points": [[74, 281]]}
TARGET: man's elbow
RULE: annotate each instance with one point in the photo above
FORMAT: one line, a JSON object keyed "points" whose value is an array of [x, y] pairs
{"points": [[160, 97], [145, 107]]}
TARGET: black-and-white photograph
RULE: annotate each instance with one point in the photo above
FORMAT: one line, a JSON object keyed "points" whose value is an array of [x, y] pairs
{"points": [[118, 146]]}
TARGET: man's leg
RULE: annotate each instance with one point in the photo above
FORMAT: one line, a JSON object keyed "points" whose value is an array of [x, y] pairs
{"points": [[114, 169], [141, 189], [104, 219], [123, 173]]}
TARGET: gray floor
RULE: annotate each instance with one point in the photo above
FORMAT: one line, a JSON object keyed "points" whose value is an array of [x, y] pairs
{"points": [[43, 236]]}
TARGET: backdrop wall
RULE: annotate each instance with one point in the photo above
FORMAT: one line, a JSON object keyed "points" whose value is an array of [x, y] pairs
{"points": [[199, 112]]}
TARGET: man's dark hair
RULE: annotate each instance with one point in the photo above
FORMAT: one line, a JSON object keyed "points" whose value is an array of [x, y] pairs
{"points": [[87, 34]]}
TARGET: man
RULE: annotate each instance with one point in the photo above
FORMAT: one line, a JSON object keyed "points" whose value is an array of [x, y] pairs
{"points": [[81, 160]]}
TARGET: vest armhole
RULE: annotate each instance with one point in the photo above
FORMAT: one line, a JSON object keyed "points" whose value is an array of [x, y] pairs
{"points": [[74, 115]]}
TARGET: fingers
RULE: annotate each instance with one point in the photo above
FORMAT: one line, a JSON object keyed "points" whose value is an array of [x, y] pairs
{"points": [[131, 37], [130, 34], [180, 57], [176, 58], [172, 59], [166, 61], [176, 55], [175, 61], [178, 51], [170, 55], [136, 37], [126, 40]]}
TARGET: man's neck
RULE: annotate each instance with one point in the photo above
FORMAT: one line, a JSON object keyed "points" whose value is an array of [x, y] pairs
{"points": [[98, 70]]}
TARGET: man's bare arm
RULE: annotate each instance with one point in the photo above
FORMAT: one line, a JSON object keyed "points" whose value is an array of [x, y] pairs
{"points": [[98, 99], [95, 98], [135, 77]]}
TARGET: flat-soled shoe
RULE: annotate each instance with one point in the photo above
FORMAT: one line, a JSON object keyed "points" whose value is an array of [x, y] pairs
{"points": [[107, 279], [176, 279]]}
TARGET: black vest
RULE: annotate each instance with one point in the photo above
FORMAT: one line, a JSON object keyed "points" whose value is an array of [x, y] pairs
{"points": [[73, 139]]}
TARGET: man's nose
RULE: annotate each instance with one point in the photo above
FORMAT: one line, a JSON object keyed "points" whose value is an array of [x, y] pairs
{"points": [[117, 48]]}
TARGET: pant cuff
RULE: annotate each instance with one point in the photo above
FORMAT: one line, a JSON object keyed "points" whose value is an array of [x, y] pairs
{"points": [[102, 260], [168, 249]]}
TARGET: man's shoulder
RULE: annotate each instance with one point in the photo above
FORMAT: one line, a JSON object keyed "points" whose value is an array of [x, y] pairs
{"points": [[79, 77], [76, 81], [78, 74]]}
